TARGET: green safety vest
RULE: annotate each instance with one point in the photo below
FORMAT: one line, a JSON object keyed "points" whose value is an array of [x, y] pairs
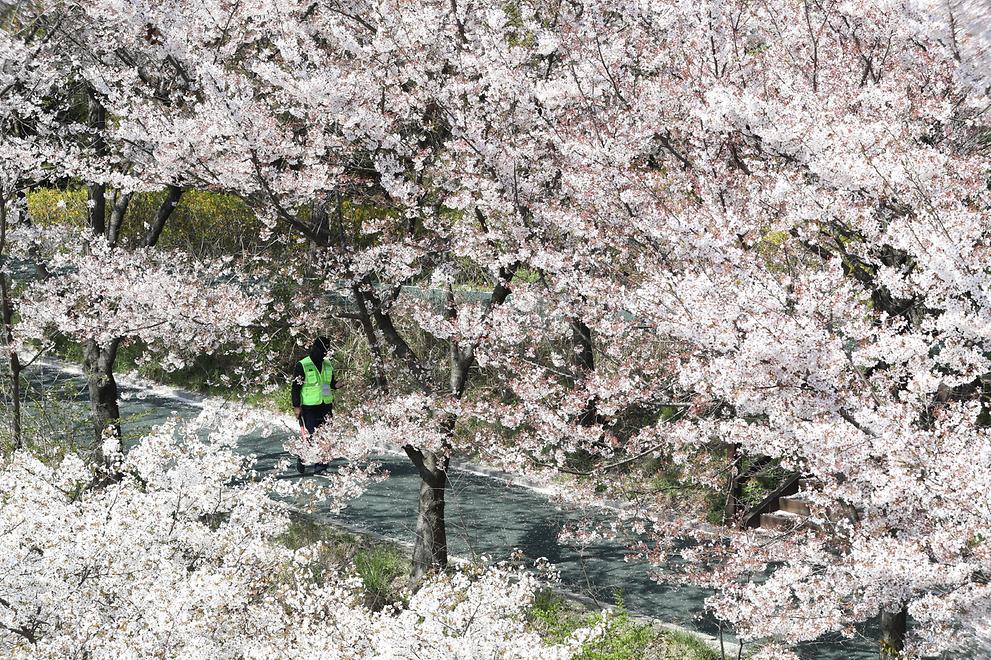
{"points": [[316, 385]]}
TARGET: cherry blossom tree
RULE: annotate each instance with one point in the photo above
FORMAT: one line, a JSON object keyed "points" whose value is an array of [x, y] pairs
{"points": [[32, 146], [173, 549], [354, 139], [798, 193], [45, 139], [176, 305], [701, 226]]}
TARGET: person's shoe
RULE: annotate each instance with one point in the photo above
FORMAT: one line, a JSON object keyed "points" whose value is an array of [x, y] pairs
{"points": [[299, 465]]}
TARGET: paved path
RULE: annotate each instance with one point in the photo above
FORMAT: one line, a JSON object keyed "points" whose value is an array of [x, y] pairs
{"points": [[484, 515]]}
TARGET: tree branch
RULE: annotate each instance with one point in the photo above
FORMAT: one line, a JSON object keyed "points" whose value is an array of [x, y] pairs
{"points": [[163, 214]]}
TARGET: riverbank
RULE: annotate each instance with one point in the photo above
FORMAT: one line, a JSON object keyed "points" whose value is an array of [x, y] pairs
{"points": [[472, 512], [383, 565], [267, 407]]}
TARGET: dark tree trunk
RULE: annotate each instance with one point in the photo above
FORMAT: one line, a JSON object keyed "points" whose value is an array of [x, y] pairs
{"points": [[164, 213], [581, 335], [14, 364], [893, 628], [98, 366], [98, 361], [7, 318], [733, 485], [97, 213], [98, 191], [583, 363], [118, 209], [378, 361], [430, 546]]}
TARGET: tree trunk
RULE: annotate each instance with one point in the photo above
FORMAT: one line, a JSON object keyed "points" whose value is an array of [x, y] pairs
{"points": [[6, 312], [583, 364], [733, 486], [583, 359], [365, 318], [430, 547], [98, 365], [118, 210], [7, 318], [164, 213], [893, 628], [97, 192]]}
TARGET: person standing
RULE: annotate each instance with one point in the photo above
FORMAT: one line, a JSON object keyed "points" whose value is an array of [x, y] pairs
{"points": [[313, 385]]}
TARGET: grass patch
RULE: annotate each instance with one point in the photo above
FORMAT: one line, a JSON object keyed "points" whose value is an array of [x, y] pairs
{"points": [[383, 567], [556, 619], [681, 644]]}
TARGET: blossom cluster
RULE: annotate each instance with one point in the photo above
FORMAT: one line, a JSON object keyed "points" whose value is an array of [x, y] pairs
{"points": [[760, 226], [173, 550]]}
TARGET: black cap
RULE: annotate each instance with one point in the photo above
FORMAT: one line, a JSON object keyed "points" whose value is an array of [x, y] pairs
{"points": [[321, 346]]}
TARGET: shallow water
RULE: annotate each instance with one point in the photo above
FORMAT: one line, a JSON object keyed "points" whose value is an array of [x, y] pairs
{"points": [[484, 516]]}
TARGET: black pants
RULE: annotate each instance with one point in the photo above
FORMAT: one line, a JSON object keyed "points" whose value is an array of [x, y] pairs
{"points": [[314, 416]]}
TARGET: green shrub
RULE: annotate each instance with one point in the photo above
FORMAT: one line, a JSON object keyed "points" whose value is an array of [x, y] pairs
{"points": [[205, 223], [334, 550], [687, 646], [625, 638], [550, 616], [381, 567], [49, 206]]}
